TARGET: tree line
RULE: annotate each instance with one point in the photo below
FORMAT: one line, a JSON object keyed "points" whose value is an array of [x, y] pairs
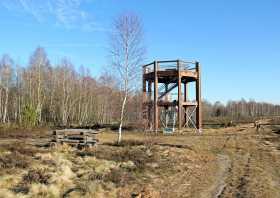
{"points": [[240, 110], [42, 93]]}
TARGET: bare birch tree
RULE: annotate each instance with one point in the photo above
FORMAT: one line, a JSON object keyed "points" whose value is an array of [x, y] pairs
{"points": [[127, 52], [6, 77], [38, 64]]}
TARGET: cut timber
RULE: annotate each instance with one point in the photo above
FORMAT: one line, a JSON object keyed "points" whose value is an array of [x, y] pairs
{"points": [[76, 137]]}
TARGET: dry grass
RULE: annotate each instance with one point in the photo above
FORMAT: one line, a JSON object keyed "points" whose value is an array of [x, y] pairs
{"points": [[275, 120], [17, 155], [184, 165], [139, 152], [17, 132]]}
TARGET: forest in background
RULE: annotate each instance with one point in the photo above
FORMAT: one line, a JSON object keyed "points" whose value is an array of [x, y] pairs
{"points": [[41, 93]]}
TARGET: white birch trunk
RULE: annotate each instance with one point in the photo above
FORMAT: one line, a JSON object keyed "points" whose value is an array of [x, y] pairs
{"points": [[6, 105], [121, 119]]}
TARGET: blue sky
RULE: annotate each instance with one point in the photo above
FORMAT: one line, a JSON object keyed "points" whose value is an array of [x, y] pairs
{"points": [[237, 42]]}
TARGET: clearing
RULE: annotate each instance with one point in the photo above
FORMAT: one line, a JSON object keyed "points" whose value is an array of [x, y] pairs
{"points": [[226, 162]]}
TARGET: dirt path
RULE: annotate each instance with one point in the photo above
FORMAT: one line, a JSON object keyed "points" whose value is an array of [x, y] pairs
{"points": [[220, 182], [247, 164], [253, 170]]}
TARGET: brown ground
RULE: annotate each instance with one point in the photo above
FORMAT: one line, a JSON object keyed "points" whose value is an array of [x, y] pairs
{"points": [[232, 162]]}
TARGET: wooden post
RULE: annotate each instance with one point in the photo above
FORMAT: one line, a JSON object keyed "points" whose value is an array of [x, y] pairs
{"points": [[179, 96], [166, 88], [198, 98], [149, 103], [149, 91], [185, 92], [144, 87], [185, 100], [166, 107], [155, 97], [144, 96]]}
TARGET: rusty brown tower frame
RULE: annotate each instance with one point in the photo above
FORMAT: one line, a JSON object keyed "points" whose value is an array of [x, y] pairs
{"points": [[159, 79]]}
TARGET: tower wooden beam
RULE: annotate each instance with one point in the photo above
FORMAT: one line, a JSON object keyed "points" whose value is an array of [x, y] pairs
{"points": [[144, 88], [155, 97], [179, 96], [198, 98], [149, 107], [185, 100]]}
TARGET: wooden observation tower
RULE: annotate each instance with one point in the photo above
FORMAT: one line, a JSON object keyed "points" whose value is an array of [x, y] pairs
{"points": [[166, 102]]}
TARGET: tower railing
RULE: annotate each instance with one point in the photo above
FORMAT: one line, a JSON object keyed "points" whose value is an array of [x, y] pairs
{"points": [[169, 65]]}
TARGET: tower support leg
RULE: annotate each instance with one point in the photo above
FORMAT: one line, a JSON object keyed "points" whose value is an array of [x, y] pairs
{"points": [[155, 97], [185, 100], [198, 99], [179, 97]]}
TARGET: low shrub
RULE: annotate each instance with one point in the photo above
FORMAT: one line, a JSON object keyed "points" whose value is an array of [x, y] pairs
{"points": [[36, 176], [13, 160], [21, 148], [20, 188], [140, 155], [119, 176], [127, 143]]}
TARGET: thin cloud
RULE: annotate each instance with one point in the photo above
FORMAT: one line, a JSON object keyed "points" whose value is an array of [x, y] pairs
{"points": [[35, 9], [72, 45], [66, 13]]}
